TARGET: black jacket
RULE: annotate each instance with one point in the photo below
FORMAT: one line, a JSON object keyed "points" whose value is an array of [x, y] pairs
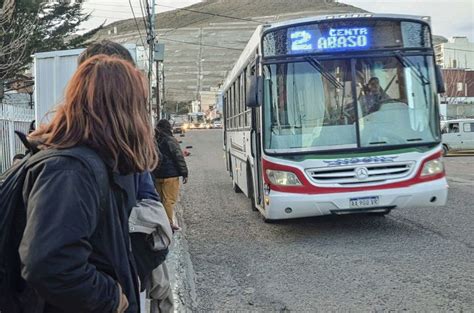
{"points": [[73, 252], [172, 163]]}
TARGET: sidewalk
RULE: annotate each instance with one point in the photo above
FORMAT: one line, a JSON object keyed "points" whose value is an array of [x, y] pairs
{"points": [[180, 271]]}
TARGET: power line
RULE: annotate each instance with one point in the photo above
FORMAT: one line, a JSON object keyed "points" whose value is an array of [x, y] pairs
{"points": [[187, 24], [136, 23], [213, 14], [110, 5], [186, 9], [108, 17], [107, 10], [200, 44], [143, 16]]}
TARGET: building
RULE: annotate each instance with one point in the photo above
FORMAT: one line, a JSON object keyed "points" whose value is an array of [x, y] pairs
{"points": [[458, 52], [458, 100]]}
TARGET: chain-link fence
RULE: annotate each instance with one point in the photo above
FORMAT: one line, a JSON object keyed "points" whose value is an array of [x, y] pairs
{"points": [[13, 118]]}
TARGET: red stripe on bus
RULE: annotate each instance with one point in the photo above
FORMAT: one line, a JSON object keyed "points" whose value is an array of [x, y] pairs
{"points": [[308, 188]]}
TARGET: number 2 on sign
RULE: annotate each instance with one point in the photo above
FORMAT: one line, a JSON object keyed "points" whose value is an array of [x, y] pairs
{"points": [[300, 41]]}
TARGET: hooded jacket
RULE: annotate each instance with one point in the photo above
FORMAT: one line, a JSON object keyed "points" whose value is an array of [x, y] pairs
{"points": [[172, 163]]}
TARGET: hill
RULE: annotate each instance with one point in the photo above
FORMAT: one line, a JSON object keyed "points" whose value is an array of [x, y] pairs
{"points": [[204, 40]]}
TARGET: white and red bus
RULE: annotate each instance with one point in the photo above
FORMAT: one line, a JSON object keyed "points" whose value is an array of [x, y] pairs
{"points": [[336, 114]]}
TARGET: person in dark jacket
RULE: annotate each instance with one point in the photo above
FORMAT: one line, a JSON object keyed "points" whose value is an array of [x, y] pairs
{"points": [[157, 280], [75, 253], [172, 166]]}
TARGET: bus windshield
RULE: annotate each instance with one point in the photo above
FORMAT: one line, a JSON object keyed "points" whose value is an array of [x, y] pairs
{"points": [[315, 105]]}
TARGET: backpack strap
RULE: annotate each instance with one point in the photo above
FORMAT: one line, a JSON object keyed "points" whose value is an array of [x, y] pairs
{"points": [[89, 158]]}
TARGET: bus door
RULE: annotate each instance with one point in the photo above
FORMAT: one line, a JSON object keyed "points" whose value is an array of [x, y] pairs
{"points": [[257, 153], [256, 146]]}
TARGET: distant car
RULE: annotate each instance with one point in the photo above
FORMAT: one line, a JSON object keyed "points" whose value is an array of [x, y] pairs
{"points": [[178, 128], [458, 135], [217, 124]]}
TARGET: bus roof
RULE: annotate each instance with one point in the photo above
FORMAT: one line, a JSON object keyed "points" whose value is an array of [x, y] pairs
{"points": [[255, 39], [346, 16]]}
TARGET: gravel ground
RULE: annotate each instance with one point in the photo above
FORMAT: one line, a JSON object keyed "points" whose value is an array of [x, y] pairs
{"points": [[230, 260]]}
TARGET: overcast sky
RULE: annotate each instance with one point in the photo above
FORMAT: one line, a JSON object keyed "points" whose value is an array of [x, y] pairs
{"points": [[449, 17]]}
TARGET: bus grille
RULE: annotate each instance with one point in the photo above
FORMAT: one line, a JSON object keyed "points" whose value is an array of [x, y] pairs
{"points": [[351, 175]]}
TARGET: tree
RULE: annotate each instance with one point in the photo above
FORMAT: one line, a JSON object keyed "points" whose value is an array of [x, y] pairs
{"points": [[34, 26]]}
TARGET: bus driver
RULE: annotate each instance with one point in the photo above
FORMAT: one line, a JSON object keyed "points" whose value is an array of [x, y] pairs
{"points": [[373, 96]]}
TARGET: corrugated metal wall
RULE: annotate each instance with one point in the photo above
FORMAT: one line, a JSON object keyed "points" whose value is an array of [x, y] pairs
{"points": [[12, 118]]}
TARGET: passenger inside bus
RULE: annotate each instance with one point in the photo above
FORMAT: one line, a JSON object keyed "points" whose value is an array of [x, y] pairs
{"points": [[373, 96]]}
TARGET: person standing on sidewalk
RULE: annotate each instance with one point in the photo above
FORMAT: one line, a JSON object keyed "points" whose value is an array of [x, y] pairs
{"points": [[172, 166], [75, 250], [158, 283]]}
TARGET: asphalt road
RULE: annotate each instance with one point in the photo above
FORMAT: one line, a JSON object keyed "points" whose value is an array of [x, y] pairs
{"points": [[230, 260]]}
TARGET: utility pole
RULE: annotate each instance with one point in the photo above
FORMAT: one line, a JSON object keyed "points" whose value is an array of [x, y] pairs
{"points": [[151, 51], [159, 57], [158, 90]]}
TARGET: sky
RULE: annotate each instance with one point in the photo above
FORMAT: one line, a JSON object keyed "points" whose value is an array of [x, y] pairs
{"points": [[449, 17]]}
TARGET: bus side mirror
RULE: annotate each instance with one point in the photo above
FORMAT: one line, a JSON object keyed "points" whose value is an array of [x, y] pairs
{"points": [[254, 92], [439, 80]]}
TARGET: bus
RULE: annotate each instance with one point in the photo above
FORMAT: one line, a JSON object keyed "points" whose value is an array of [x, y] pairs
{"points": [[197, 120], [336, 114]]}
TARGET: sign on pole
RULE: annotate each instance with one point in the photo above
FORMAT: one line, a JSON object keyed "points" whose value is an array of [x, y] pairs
{"points": [[159, 52]]}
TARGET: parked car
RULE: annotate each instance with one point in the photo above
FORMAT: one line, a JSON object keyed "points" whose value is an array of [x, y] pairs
{"points": [[458, 135], [217, 124]]}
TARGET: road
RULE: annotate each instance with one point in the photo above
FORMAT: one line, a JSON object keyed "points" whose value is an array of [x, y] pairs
{"points": [[230, 260]]}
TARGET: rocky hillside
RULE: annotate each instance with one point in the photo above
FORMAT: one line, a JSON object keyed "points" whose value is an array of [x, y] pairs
{"points": [[246, 9], [202, 48]]}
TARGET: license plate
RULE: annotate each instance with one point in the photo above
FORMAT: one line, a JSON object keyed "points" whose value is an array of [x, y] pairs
{"points": [[364, 202]]}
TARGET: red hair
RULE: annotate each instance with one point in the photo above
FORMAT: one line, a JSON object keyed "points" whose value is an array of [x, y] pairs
{"points": [[105, 109]]}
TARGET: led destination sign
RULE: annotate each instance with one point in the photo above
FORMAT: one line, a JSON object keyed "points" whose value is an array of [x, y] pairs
{"points": [[346, 35], [335, 39]]}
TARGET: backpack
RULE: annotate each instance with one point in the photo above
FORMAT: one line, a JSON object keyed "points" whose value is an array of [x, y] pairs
{"points": [[14, 293]]}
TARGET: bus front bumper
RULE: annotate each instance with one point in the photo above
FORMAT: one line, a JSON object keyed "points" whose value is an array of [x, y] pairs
{"points": [[291, 205]]}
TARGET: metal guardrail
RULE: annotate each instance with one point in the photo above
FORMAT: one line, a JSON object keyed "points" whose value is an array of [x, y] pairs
{"points": [[12, 118]]}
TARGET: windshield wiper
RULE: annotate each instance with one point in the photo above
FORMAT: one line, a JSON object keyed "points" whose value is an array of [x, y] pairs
{"points": [[329, 76], [409, 64]]}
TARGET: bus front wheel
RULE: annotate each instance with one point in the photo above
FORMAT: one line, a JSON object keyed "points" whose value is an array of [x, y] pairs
{"points": [[250, 189], [445, 150]]}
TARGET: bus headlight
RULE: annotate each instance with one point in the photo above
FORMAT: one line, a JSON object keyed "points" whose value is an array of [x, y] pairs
{"points": [[433, 167], [282, 178]]}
